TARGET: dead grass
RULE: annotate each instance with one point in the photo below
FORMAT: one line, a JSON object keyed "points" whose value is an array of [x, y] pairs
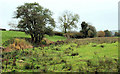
{"points": [[18, 44]]}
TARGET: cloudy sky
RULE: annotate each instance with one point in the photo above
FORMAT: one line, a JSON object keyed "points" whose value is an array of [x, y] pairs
{"points": [[103, 14]]}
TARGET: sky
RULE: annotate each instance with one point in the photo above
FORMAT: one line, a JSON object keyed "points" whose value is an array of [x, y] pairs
{"points": [[103, 14]]}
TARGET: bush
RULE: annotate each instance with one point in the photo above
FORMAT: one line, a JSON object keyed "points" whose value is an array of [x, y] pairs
{"points": [[16, 30], [2, 29], [117, 34], [101, 34], [58, 33], [107, 33], [92, 31], [74, 35], [78, 35], [16, 44]]}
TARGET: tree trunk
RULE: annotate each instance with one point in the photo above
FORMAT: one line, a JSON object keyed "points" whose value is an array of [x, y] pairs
{"points": [[36, 38], [32, 38], [65, 30], [39, 38]]}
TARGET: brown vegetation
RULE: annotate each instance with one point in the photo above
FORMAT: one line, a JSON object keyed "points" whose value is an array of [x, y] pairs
{"points": [[101, 34], [18, 44]]}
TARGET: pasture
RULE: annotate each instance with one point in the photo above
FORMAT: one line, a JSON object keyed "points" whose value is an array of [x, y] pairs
{"points": [[8, 35], [73, 55]]}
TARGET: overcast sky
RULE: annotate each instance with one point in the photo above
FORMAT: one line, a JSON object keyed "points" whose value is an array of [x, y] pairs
{"points": [[103, 14]]}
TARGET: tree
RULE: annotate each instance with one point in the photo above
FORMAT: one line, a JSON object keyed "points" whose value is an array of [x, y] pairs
{"points": [[117, 34], [85, 29], [49, 31], [92, 31], [90, 34], [108, 33], [88, 30], [101, 34], [34, 20], [68, 21]]}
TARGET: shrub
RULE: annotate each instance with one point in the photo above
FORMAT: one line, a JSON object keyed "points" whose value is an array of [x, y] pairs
{"points": [[2, 29], [101, 34], [17, 44], [78, 35], [58, 33], [88, 30], [107, 33], [90, 34], [92, 31], [74, 35], [16, 30], [117, 34]]}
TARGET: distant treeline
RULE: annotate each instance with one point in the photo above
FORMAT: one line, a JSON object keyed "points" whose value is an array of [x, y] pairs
{"points": [[105, 33], [16, 30], [2, 29], [73, 34], [11, 30]]}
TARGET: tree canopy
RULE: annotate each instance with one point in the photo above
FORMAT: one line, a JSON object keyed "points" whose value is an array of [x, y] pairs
{"points": [[88, 30], [108, 33], [68, 20], [100, 33], [34, 19]]}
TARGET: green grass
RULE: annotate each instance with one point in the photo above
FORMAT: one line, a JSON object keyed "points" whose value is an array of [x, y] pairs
{"points": [[55, 38], [50, 59], [6, 35], [69, 57]]}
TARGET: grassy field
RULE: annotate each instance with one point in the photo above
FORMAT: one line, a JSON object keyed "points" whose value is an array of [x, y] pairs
{"points": [[76, 55], [6, 35], [55, 38], [62, 58]]}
